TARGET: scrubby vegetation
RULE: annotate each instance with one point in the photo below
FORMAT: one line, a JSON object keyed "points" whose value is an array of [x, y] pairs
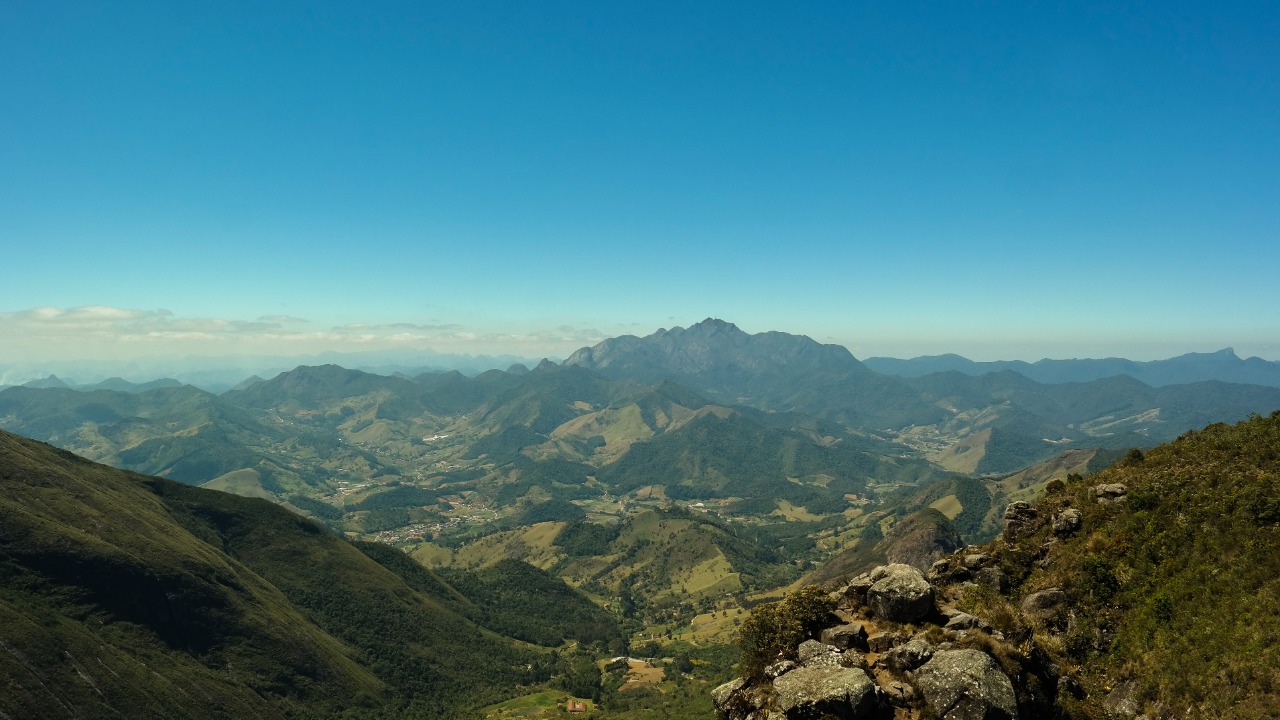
{"points": [[1174, 591], [773, 631]]}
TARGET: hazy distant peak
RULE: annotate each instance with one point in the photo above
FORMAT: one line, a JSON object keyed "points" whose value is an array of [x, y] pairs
{"points": [[53, 381], [518, 369], [545, 366]]}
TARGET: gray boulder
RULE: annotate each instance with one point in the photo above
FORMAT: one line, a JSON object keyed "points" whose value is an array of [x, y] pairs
{"points": [[856, 591], [992, 577], [1067, 522], [848, 635], [964, 621], [1110, 492], [908, 656], [899, 593], [966, 685], [1020, 520], [885, 641], [812, 653], [813, 692]]}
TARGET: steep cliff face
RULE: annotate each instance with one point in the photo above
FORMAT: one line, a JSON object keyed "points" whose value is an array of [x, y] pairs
{"points": [[1149, 590]]}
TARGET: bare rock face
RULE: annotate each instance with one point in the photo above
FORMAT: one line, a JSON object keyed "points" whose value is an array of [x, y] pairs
{"points": [[900, 593], [966, 685], [1020, 520], [814, 692]]}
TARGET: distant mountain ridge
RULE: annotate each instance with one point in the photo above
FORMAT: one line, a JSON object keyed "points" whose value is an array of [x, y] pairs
{"points": [[1223, 365], [771, 371]]}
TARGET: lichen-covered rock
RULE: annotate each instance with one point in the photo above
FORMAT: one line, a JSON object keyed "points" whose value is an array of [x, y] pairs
{"points": [[1020, 520], [1067, 522], [975, 561], [966, 685], [899, 593], [812, 653], [848, 635], [820, 691], [908, 656], [724, 693], [780, 668]]}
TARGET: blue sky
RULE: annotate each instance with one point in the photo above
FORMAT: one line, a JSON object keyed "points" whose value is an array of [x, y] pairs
{"points": [[1002, 180]]}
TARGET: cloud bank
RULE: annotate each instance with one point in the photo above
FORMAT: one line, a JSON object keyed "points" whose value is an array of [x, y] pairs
{"points": [[110, 333]]}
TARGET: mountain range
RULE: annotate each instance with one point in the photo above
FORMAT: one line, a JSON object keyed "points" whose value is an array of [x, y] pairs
{"points": [[651, 490], [1223, 366]]}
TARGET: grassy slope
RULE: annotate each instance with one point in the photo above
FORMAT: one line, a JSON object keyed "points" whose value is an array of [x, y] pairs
{"points": [[1176, 589], [128, 596]]}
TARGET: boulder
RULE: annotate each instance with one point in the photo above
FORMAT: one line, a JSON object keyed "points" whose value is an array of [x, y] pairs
{"points": [[1043, 605], [964, 621], [1020, 520], [1110, 492], [966, 685], [992, 577], [1121, 700], [856, 591], [899, 593], [900, 694], [848, 635], [723, 694], [885, 641], [908, 656], [1067, 522], [812, 653], [839, 692], [977, 560], [781, 667]]}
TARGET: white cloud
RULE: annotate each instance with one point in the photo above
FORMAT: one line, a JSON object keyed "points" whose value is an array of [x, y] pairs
{"points": [[101, 332]]}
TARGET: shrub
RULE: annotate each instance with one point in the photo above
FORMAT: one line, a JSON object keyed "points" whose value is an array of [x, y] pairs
{"points": [[773, 631]]}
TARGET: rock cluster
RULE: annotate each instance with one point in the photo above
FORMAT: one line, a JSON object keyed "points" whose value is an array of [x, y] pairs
{"points": [[896, 651]]}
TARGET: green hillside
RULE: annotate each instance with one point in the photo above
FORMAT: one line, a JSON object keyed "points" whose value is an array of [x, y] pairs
{"points": [[133, 596], [1172, 602]]}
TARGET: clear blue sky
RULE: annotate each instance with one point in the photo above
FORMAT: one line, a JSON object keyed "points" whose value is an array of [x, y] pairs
{"points": [[993, 179]]}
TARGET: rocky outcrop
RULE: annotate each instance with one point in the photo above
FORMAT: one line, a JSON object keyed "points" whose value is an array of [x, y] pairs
{"points": [[899, 593], [920, 661], [966, 685]]}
